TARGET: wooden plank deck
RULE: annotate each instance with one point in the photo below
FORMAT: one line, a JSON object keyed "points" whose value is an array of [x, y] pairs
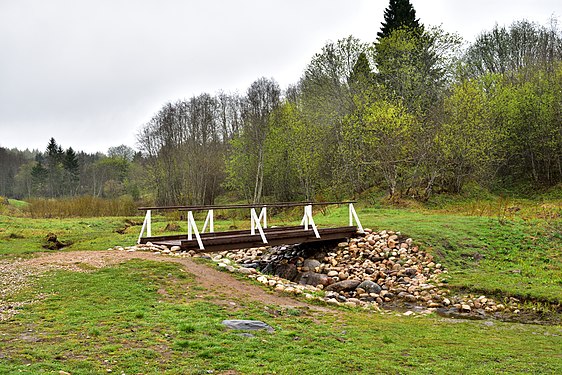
{"points": [[241, 239]]}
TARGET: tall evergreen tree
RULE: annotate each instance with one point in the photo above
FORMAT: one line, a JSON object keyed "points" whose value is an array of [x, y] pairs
{"points": [[54, 157], [39, 175], [71, 174], [70, 162], [361, 73], [400, 13]]}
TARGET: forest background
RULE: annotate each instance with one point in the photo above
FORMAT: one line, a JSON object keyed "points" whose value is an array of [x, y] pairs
{"points": [[415, 113]]}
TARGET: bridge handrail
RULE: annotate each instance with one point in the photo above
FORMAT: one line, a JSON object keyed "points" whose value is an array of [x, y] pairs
{"points": [[236, 206]]}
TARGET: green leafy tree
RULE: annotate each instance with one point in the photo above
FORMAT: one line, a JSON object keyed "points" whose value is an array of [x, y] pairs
{"points": [[294, 160], [531, 114], [10, 162], [110, 174], [362, 77], [470, 139], [325, 99], [417, 68], [380, 136]]}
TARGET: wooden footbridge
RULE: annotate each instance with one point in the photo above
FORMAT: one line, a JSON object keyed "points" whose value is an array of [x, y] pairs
{"points": [[259, 233]]}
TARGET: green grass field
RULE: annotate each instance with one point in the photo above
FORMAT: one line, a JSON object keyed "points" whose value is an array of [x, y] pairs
{"points": [[117, 318], [85, 327], [514, 256]]}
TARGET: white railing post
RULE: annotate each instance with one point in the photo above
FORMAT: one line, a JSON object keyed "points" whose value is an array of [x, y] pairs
{"points": [[308, 220], [192, 228], [304, 221], [145, 225], [252, 223], [263, 217], [255, 223], [209, 221], [353, 216]]}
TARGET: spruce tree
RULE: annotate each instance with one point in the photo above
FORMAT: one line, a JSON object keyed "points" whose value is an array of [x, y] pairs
{"points": [[400, 13], [361, 72], [54, 158], [39, 175], [71, 171], [52, 153], [70, 162]]}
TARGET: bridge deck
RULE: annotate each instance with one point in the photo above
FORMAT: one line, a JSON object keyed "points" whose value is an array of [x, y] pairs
{"points": [[241, 239]]}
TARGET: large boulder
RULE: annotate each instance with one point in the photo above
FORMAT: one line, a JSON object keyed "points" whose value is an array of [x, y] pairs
{"points": [[286, 271], [370, 287], [343, 286], [314, 279], [311, 264]]}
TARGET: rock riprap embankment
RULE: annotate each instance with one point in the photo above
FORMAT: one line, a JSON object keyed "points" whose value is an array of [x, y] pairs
{"points": [[377, 270]]}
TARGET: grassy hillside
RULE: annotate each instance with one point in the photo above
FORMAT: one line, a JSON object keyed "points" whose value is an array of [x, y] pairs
{"points": [[17, 203]]}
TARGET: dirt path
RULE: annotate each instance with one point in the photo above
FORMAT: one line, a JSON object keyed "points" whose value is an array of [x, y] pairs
{"points": [[15, 274]]}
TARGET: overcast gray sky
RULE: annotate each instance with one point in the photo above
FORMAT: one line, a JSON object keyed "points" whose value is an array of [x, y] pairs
{"points": [[90, 72]]}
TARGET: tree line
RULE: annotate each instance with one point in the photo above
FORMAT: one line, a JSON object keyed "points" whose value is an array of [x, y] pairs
{"points": [[58, 172], [414, 113]]}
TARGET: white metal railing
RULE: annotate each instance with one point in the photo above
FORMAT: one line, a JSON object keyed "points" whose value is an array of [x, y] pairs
{"points": [[353, 217], [146, 224], [258, 222], [308, 220], [192, 227], [209, 221]]}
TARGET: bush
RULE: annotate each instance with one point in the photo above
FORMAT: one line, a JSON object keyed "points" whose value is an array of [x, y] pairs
{"points": [[84, 206]]}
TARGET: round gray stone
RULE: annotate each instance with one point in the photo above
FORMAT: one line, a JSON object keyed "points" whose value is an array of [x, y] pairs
{"points": [[370, 287]]}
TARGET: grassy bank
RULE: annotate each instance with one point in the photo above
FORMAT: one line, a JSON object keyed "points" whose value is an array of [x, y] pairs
{"points": [[517, 255], [156, 319], [21, 235]]}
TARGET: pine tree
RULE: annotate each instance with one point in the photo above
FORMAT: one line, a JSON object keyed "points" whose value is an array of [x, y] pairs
{"points": [[70, 162], [54, 157], [52, 154], [400, 13], [39, 175], [71, 171]]}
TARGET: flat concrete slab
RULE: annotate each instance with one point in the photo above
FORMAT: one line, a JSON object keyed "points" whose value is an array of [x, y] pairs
{"points": [[247, 325]]}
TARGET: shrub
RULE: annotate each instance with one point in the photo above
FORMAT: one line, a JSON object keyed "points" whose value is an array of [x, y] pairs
{"points": [[84, 206]]}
